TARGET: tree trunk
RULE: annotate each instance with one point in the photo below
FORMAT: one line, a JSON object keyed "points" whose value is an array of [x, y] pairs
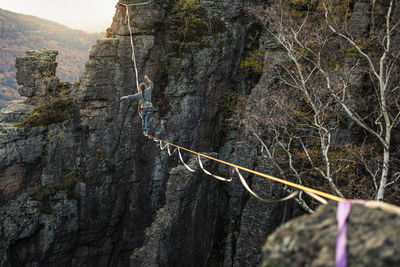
{"points": [[385, 168]]}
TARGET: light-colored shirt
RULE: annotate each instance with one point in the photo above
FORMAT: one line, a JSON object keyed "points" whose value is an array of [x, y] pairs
{"points": [[146, 93]]}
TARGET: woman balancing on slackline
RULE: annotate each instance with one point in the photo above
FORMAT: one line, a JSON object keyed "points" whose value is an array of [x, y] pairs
{"points": [[146, 108]]}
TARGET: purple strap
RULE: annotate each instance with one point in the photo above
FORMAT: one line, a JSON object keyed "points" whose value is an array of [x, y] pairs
{"points": [[343, 211]]}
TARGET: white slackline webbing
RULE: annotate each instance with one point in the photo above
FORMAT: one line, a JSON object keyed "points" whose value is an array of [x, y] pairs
{"points": [[292, 195], [180, 156], [209, 173]]}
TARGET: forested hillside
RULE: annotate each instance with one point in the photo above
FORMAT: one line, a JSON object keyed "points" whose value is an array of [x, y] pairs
{"points": [[276, 99], [19, 33]]}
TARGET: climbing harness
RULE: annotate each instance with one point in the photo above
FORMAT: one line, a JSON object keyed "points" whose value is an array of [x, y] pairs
{"points": [[318, 195], [146, 105], [344, 206]]}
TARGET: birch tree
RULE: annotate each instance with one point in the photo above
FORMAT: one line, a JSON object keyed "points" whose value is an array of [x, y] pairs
{"points": [[383, 69], [324, 65]]}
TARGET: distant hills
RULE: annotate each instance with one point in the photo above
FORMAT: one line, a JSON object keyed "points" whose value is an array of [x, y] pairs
{"points": [[19, 33]]}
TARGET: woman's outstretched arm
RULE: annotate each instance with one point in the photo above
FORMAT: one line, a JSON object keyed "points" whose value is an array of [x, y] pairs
{"points": [[151, 85], [130, 96]]}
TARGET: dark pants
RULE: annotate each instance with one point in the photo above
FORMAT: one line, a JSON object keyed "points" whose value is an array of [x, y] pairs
{"points": [[146, 113]]}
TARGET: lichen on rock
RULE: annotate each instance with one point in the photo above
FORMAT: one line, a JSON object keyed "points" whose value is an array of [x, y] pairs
{"points": [[93, 191], [36, 73], [373, 236]]}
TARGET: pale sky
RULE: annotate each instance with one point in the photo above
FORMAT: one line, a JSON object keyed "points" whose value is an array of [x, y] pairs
{"points": [[87, 15]]}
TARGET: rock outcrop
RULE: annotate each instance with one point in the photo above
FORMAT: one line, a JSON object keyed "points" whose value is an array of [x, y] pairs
{"points": [[22, 150], [373, 234], [93, 191], [183, 226], [96, 191], [36, 74]]}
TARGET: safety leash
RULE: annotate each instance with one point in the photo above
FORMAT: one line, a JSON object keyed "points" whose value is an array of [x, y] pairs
{"points": [[133, 48], [132, 45], [312, 192], [318, 195]]}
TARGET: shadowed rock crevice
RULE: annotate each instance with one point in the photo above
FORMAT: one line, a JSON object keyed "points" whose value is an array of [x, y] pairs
{"points": [[91, 190]]}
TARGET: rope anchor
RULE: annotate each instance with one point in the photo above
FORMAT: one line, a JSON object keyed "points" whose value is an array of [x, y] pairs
{"points": [[126, 10], [134, 4], [167, 145]]}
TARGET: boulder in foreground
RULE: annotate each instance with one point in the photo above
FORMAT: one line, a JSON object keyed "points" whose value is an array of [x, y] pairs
{"points": [[373, 238]]}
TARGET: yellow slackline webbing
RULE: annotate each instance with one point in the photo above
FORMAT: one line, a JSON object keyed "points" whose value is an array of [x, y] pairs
{"points": [[237, 167], [304, 188], [209, 173], [244, 183], [301, 187]]}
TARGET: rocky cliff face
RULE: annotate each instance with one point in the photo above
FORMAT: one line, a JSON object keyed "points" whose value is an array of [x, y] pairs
{"points": [[93, 191]]}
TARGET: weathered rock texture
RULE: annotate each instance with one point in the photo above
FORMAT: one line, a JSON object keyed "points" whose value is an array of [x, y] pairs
{"points": [[93, 191], [373, 236], [183, 226], [20, 153], [36, 73]]}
